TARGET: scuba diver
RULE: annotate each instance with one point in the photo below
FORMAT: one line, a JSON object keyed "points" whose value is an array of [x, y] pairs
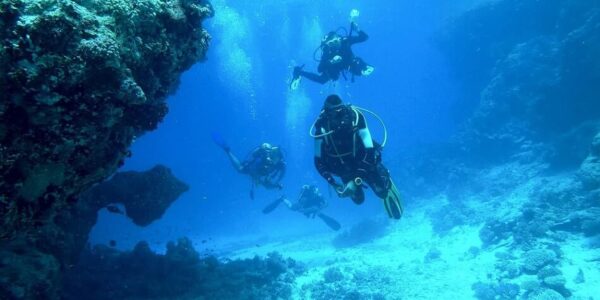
{"points": [[336, 58], [265, 164], [344, 148], [309, 203]]}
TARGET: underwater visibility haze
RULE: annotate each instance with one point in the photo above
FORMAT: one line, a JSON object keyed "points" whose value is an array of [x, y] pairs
{"points": [[296, 149]]}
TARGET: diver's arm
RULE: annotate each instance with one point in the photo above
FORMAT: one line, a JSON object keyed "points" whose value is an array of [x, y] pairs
{"points": [[322, 169], [365, 137], [363, 130], [362, 36]]}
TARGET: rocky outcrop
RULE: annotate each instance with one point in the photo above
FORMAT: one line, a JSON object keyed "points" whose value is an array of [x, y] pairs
{"points": [[531, 79], [80, 81], [589, 172], [145, 195], [33, 270], [181, 273]]}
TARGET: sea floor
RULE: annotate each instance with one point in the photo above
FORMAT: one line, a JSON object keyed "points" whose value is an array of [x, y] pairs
{"points": [[413, 262]]}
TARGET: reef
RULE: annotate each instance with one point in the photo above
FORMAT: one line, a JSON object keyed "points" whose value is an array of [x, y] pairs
{"points": [[145, 196], [80, 81], [529, 150], [531, 79], [347, 284], [181, 273]]}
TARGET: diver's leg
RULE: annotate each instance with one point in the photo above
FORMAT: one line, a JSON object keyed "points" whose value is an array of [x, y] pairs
{"points": [[319, 78], [380, 181], [235, 162], [273, 205]]}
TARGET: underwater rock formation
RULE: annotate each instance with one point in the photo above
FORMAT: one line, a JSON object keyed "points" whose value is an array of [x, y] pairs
{"points": [[531, 79], [105, 273], [589, 171], [80, 81], [145, 195]]}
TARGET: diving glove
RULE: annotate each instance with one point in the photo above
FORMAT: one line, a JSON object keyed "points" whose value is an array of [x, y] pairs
{"points": [[296, 77], [367, 71]]}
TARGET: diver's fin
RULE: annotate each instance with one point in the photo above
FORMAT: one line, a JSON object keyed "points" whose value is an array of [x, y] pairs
{"points": [[333, 224], [271, 207], [393, 203], [218, 139]]}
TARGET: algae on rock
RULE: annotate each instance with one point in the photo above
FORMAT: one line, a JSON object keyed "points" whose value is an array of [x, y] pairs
{"points": [[80, 79]]}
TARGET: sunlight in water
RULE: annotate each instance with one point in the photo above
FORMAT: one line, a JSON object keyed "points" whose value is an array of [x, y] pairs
{"points": [[236, 65]]}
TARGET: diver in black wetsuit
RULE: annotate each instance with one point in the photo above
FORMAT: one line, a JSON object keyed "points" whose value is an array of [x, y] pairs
{"points": [[336, 58], [309, 203], [265, 165], [344, 148]]}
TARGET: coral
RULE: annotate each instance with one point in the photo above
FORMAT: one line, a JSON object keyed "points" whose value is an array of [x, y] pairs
{"points": [[104, 273], [363, 232], [517, 77], [446, 217], [34, 279], [432, 255], [333, 275], [80, 81], [489, 291], [534, 260], [545, 294], [589, 171], [336, 285]]}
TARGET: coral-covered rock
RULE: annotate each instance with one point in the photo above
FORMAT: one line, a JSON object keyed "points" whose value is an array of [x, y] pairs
{"points": [[145, 195], [534, 260], [104, 273], [35, 277], [589, 171], [545, 294], [529, 79], [80, 81]]}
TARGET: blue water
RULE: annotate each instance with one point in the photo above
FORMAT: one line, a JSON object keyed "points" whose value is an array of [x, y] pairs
{"points": [[490, 107], [241, 91]]}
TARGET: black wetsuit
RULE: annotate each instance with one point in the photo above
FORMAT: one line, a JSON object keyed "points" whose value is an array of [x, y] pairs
{"points": [[343, 154], [266, 167], [310, 202], [331, 71]]}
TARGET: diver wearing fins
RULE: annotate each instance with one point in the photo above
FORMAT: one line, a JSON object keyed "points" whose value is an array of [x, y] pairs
{"points": [[336, 59], [344, 148], [265, 164], [309, 203]]}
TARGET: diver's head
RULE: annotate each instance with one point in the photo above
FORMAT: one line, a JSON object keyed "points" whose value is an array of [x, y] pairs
{"points": [[332, 40], [332, 101], [266, 146]]}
